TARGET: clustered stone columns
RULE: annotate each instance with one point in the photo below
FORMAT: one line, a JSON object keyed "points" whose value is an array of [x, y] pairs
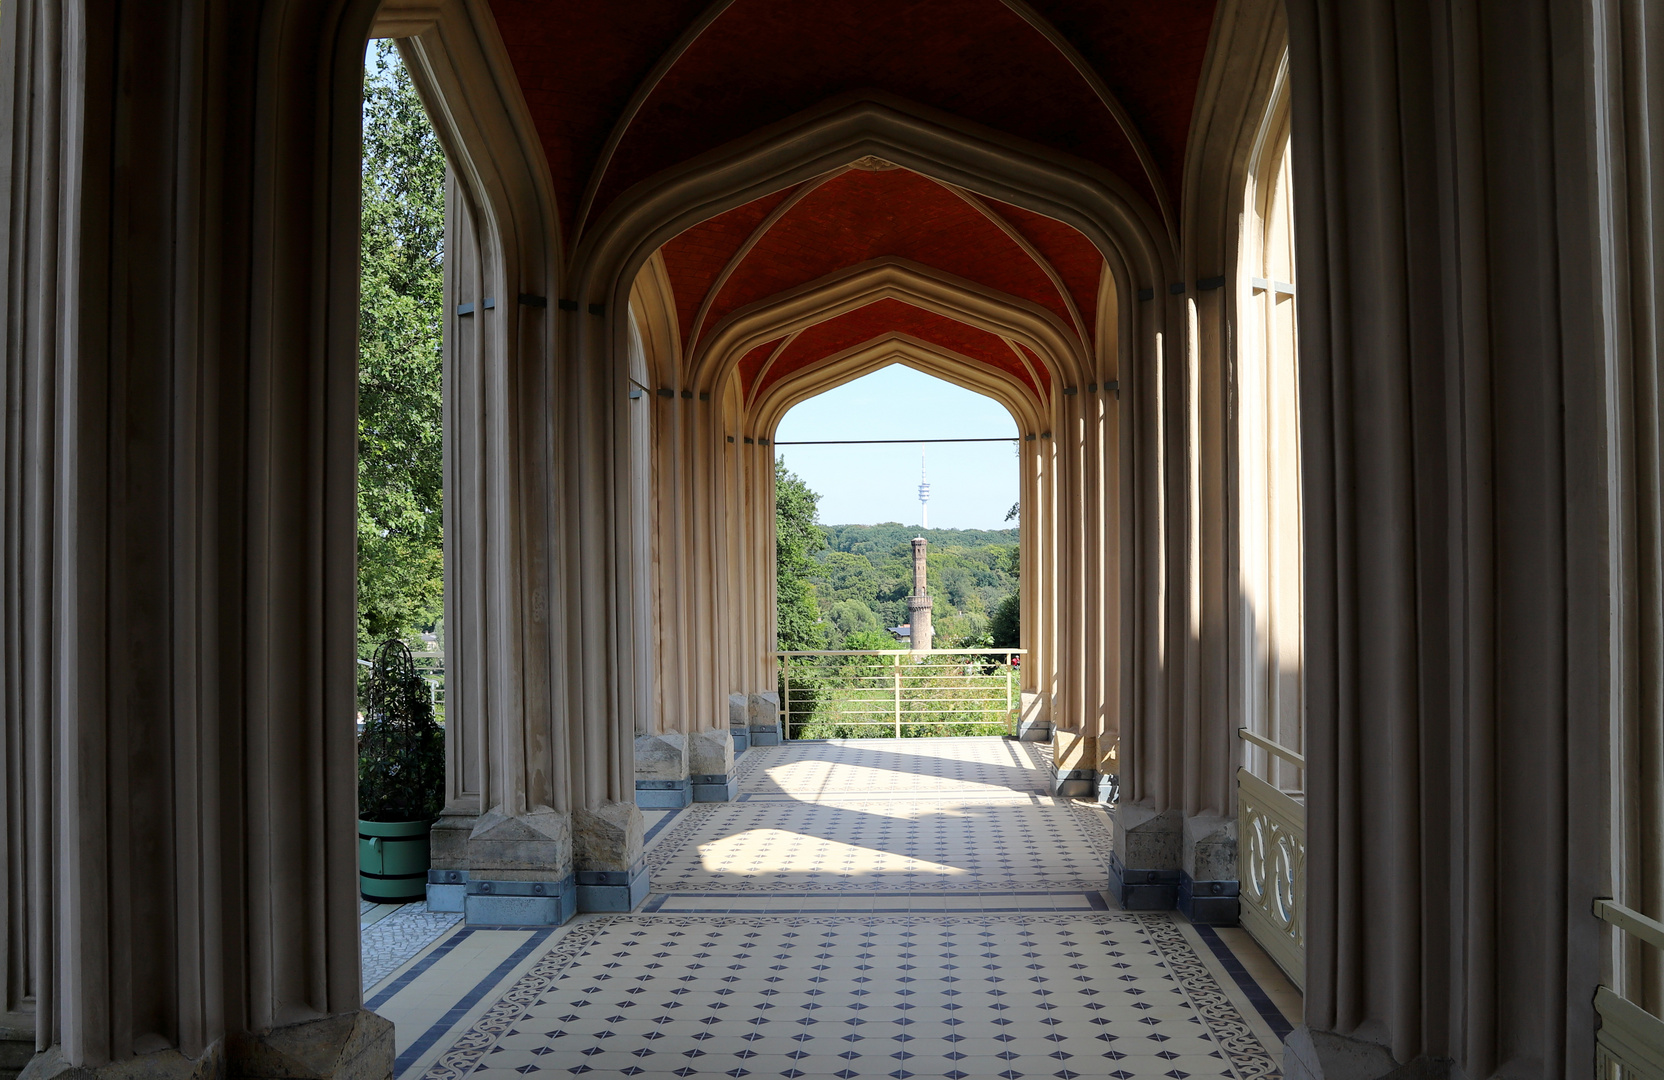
{"points": [[180, 276], [545, 685]]}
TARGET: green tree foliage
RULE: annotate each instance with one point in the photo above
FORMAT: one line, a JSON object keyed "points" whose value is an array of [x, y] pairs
{"points": [[797, 538], [1005, 627], [400, 582], [971, 572]]}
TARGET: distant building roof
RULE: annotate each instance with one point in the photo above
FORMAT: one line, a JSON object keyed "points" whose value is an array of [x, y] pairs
{"points": [[905, 633]]}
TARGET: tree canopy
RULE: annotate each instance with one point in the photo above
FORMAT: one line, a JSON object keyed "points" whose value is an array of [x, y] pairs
{"points": [[401, 308], [797, 537]]}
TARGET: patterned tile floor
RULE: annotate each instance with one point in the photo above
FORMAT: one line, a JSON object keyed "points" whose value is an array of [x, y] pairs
{"points": [[867, 909]]}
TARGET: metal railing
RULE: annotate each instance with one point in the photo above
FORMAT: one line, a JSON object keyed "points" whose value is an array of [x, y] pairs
{"points": [[1630, 1042], [849, 693]]}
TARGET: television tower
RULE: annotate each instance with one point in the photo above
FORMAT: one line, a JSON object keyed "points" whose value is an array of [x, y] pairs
{"points": [[924, 494]]}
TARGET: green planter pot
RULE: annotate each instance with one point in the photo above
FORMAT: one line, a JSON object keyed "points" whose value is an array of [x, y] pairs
{"points": [[393, 861]]}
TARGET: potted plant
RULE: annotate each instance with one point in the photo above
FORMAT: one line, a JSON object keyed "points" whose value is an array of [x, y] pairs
{"points": [[401, 779]]}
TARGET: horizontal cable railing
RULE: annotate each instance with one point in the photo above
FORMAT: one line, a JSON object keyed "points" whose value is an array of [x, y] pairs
{"points": [[841, 694]]}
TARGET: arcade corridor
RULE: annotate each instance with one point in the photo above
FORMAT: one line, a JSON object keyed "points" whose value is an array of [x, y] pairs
{"points": [[917, 908]]}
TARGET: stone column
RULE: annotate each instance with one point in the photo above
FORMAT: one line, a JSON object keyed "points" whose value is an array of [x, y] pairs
{"points": [[503, 847], [187, 336], [1463, 307]]}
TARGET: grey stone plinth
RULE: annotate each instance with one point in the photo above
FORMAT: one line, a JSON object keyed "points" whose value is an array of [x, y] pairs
{"points": [[535, 845], [1034, 730], [1208, 884], [168, 1064], [1143, 890], [1144, 869], [446, 889], [1034, 718], [715, 787], [711, 753], [607, 837], [742, 740], [348, 1046], [1320, 1055], [356, 1045], [661, 757], [1209, 903], [764, 718], [612, 890], [1208, 851], [520, 903], [1074, 783], [663, 794], [739, 711]]}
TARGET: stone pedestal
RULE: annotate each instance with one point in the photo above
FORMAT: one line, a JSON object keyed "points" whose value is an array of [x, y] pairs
{"points": [[611, 874], [739, 722], [1208, 882], [711, 764], [1144, 865], [1320, 1055], [1074, 764], [504, 871], [1034, 723], [764, 718], [662, 771], [350, 1046]]}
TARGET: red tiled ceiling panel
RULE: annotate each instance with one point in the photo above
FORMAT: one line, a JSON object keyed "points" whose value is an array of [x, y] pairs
{"points": [[580, 63], [882, 318], [861, 215]]}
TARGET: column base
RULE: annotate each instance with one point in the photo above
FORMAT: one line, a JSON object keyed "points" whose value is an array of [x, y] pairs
{"points": [[742, 740], [349, 1046], [1034, 730], [765, 736], [1209, 903], [1074, 783], [663, 794], [714, 787], [1320, 1055], [447, 890], [519, 903], [1143, 890], [612, 890]]}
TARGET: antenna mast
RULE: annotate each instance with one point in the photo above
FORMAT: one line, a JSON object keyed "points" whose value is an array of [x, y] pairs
{"points": [[924, 493]]}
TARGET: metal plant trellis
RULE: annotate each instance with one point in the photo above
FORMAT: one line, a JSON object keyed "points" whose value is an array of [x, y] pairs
{"points": [[401, 753]]}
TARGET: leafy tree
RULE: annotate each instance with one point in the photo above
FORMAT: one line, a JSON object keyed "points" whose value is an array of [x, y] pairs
{"points": [[867, 640], [796, 538], [400, 562], [1005, 627], [850, 617]]}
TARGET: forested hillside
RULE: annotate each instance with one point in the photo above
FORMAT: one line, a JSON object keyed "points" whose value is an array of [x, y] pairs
{"points": [[863, 577]]}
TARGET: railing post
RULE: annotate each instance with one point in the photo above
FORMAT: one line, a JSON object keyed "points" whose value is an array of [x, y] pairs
{"points": [[898, 695], [1008, 716], [785, 697]]}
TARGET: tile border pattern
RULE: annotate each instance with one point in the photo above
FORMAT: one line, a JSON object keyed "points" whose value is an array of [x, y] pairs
{"points": [[691, 824], [1229, 1029]]}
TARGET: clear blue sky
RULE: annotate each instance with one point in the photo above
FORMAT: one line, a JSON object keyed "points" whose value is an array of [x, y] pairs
{"points": [[972, 485]]}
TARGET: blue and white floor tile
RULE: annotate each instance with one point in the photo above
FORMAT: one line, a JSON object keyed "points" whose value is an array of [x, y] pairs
{"points": [[868, 909]]}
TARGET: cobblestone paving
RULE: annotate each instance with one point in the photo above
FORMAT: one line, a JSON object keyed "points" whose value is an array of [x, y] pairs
{"points": [[386, 944]]}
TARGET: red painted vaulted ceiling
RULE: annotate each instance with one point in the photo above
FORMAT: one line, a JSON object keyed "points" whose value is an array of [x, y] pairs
{"points": [[883, 318], [621, 92], [581, 63]]}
